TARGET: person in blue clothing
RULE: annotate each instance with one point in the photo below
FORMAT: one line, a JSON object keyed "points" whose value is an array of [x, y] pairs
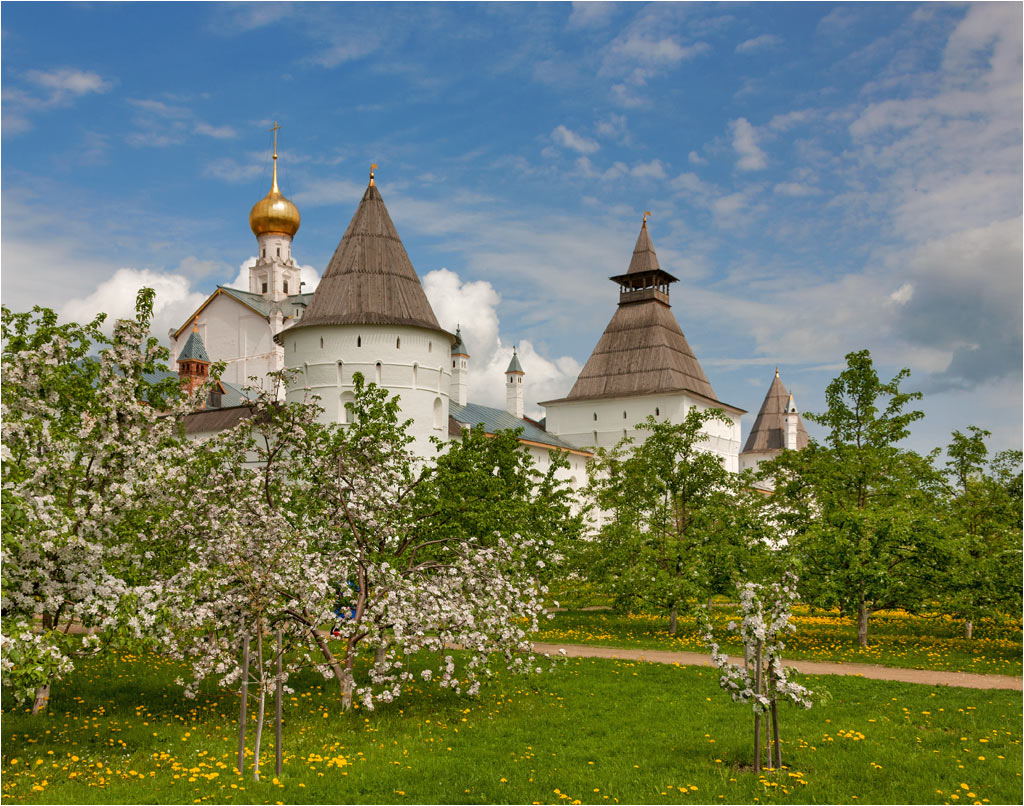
{"points": [[340, 611]]}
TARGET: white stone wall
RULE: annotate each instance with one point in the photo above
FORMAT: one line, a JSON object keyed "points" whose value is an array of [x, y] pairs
{"points": [[237, 335], [602, 423], [752, 460], [412, 363]]}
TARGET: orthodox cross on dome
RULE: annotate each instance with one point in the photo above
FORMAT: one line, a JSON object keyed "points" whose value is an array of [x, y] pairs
{"points": [[274, 129]]}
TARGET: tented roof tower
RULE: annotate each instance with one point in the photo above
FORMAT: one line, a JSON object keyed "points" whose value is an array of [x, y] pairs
{"points": [[370, 279], [769, 431], [642, 350]]}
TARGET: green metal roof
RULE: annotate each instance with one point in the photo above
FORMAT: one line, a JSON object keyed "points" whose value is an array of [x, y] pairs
{"points": [[459, 348], [194, 349], [514, 365], [500, 420]]}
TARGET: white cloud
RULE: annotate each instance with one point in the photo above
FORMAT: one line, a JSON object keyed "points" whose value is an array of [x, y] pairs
{"points": [[590, 15], [648, 170], [762, 42], [115, 296], [744, 142], [48, 89], [569, 139], [613, 127], [474, 306], [696, 159], [68, 82], [219, 132], [902, 295]]}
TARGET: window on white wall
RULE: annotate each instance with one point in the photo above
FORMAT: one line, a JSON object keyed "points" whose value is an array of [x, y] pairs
{"points": [[415, 374], [438, 411], [378, 372]]}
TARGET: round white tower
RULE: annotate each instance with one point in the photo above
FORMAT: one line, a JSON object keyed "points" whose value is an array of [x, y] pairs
{"points": [[369, 315]]}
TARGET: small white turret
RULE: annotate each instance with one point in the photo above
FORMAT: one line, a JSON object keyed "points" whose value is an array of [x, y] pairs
{"points": [[460, 369], [790, 421], [514, 387]]}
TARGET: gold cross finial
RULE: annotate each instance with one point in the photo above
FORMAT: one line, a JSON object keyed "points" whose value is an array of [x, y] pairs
{"points": [[646, 213], [274, 129], [373, 167]]}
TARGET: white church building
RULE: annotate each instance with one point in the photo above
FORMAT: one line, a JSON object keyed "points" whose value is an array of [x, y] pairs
{"points": [[369, 314]]}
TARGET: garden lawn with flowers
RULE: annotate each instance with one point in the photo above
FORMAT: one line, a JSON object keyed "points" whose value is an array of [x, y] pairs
{"points": [[118, 730], [897, 638]]}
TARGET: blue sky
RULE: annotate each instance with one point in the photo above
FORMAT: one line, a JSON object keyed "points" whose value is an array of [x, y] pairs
{"points": [[822, 177]]}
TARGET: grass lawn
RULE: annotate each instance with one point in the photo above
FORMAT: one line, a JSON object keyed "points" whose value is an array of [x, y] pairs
{"points": [[591, 731], [895, 638]]}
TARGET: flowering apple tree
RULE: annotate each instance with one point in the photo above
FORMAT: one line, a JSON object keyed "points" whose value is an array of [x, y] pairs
{"points": [[82, 438], [766, 619]]}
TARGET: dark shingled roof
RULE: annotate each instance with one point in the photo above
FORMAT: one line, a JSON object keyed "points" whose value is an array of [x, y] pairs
{"points": [[370, 280], [642, 350], [211, 420], [769, 431], [498, 419]]}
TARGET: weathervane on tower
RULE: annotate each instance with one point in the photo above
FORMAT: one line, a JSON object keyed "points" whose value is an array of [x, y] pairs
{"points": [[373, 167], [646, 213]]}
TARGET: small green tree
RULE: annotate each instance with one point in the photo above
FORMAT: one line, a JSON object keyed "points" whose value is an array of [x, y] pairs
{"points": [[670, 533], [984, 527], [860, 512]]}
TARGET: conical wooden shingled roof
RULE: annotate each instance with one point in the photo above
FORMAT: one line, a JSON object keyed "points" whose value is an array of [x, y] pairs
{"points": [[370, 279], [644, 256], [642, 350], [769, 431]]}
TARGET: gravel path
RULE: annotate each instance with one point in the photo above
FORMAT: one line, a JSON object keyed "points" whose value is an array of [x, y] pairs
{"points": [[930, 678]]}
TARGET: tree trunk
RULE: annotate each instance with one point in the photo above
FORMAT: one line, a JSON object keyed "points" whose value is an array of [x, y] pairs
{"points": [[42, 696], [673, 617], [378, 655], [245, 700], [41, 699], [348, 682], [862, 624], [259, 733], [775, 723], [325, 650], [969, 629], [712, 596], [278, 703], [757, 714]]}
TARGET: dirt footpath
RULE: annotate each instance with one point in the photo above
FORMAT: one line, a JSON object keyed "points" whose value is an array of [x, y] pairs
{"points": [[928, 678]]}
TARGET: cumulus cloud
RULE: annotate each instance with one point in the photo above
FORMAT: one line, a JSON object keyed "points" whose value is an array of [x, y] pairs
{"points": [[590, 15], [569, 139], [115, 296], [474, 306], [744, 143]]}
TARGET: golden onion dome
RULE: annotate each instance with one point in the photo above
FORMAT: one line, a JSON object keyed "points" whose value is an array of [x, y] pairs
{"points": [[274, 213]]}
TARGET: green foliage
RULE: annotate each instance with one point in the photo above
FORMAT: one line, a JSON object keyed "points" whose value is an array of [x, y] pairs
{"points": [[677, 523], [861, 512], [983, 527]]}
